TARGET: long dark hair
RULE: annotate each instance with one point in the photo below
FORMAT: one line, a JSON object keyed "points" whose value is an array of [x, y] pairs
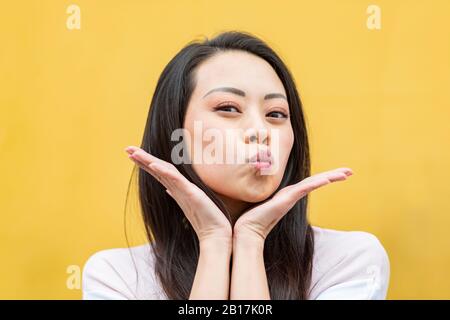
{"points": [[288, 249]]}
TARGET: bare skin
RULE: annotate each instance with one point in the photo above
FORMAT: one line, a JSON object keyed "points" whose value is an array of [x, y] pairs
{"points": [[238, 185], [218, 240]]}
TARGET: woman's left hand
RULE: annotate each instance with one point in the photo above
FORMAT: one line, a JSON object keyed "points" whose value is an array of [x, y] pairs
{"points": [[256, 223]]}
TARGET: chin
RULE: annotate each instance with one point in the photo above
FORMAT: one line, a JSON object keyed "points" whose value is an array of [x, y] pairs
{"points": [[254, 197]]}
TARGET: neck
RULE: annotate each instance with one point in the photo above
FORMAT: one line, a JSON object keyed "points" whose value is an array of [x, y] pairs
{"points": [[235, 207]]}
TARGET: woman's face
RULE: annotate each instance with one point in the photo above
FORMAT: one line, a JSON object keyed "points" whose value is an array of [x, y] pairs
{"points": [[237, 123]]}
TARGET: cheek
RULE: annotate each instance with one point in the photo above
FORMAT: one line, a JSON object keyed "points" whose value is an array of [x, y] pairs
{"points": [[201, 125], [239, 182], [216, 177], [286, 146], [281, 147], [202, 145], [235, 181]]}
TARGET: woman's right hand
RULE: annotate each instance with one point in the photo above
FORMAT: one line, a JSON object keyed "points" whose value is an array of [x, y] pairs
{"points": [[208, 221]]}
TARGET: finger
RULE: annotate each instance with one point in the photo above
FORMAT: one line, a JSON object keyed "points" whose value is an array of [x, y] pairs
{"points": [[163, 175], [335, 176], [166, 172], [334, 172], [182, 190], [314, 184], [147, 169], [321, 179], [161, 172], [147, 158], [175, 187], [150, 170], [174, 178], [139, 163], [131, 149], [316, 181], [347, 171], [288, 196], [332, 175]]}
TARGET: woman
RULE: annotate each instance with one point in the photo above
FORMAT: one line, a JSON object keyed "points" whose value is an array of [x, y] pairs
{"points": [[232, 229]]}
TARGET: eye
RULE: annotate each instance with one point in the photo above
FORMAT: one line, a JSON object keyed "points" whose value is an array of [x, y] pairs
{"points": [[227, 108], [277, 114]]}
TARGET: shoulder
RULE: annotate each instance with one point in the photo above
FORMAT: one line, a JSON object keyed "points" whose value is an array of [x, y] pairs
{"points": [[348, 265], [120, 273]]}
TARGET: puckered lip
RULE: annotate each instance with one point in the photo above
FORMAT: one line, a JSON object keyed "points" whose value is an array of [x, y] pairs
{"points": [[261, 156]]}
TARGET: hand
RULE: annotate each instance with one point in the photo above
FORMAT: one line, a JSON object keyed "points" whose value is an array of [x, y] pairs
{"points": [[208, 221], [259, 221]]}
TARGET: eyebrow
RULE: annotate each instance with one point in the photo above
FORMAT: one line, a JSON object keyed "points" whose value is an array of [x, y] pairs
{"points": [[242, 93]]}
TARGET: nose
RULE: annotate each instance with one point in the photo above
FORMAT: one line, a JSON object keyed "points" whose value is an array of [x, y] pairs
{"points": [[255, 126], [258, 135]]}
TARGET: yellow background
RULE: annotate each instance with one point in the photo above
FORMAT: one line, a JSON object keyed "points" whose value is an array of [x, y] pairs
{"points": [[377, 101]]}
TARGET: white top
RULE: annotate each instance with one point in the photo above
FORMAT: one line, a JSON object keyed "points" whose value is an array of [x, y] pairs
{"points": [[346, 265]]}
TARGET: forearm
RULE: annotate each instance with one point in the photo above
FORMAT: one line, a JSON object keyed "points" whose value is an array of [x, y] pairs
{"points": [[248, 275], [212, 277]]}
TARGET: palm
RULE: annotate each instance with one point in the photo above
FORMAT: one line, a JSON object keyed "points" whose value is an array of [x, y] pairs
{"points": [[203, 214], [261, 219]]}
